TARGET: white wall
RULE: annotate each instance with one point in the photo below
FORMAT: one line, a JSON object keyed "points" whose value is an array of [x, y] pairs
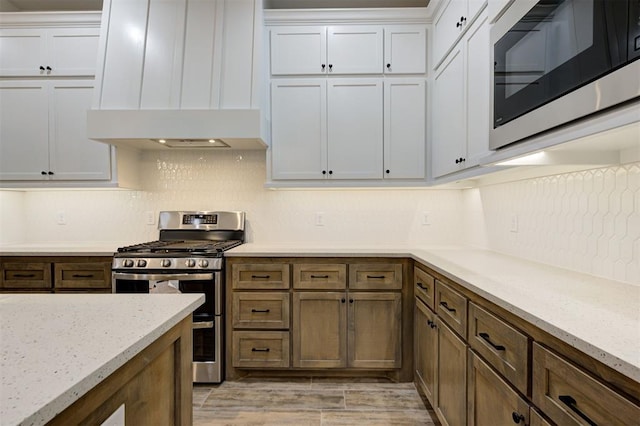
{"points": [[12, 216], [587, 221]]}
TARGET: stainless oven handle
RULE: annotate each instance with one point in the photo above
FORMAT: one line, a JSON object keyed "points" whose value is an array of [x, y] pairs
{"points": [[161, 277], [202, 324]]}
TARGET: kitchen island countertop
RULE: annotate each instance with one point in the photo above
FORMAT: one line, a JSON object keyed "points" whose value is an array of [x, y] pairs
{"points": [[55, 347], [597, 316]]}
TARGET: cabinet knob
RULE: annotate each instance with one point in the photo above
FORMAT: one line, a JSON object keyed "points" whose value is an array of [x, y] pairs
{"points": [[463, 19], [457, 160], [324, 172], [350, 300], [462, 160], [48, 68], [343, 300], [50, 173], [330, 172], [388, 66], [323, 67], [517, 417], [458, 24], [41, 68], [43, 173], [330, 67], [387, 171]]}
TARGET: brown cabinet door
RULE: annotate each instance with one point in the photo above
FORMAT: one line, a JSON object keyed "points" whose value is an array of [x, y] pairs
{"points": [[452, 377], [491, 399], [426, 350], [264, 310], [319, 329], [86, 275], [374, 330], [25, 275]]}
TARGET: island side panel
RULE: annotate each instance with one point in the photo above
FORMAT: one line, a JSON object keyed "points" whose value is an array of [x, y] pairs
{"points": [[155, 386]]}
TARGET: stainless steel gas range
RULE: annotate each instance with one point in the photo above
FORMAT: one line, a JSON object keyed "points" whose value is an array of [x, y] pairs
{"points": [[188, 257]]}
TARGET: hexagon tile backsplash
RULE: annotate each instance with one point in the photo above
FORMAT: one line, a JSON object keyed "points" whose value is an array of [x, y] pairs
{"points": [[586, 221]]}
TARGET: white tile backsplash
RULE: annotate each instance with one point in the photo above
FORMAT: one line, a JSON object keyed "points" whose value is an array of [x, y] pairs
{"points": [[587, 221]]}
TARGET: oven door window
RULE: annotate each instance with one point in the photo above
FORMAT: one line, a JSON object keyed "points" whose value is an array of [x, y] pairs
{"points": [[557, 47]]}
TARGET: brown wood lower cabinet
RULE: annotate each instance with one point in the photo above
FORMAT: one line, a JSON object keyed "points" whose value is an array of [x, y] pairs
{"points": [[452, 377], [491, 400], [425, 350], [57, 274]]}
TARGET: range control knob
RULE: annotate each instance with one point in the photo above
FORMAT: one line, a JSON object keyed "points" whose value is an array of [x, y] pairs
{"points": [[165, 263], [127, 263], [142, 263], [191, 263], [204, 263]]}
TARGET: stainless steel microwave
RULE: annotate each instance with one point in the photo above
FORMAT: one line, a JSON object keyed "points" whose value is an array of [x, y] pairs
{"points": [[557, 61]]}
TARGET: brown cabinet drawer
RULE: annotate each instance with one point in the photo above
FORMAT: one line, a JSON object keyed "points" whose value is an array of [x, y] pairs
{"points": [[261, 310], [569, 396], [375, 276], [95, 275], [504, 347], [26, 275], [262, 349], [452, 308], [260, 276], [425, 286], [320, 276]]}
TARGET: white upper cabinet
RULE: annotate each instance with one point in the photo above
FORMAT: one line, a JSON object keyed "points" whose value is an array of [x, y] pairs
{"points": [[354, 121], [298, 50], [50, 142], [405, 49], [39, 52], [460, 111], [326, 129], [451, 22], [354, 49], [404, 128], [317, 50], [299, 129]]}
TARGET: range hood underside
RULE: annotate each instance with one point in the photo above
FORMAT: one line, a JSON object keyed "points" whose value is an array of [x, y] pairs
{"points": [[142, 129]]}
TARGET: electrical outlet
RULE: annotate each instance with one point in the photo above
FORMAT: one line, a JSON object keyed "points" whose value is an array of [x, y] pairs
{"points": [[319, 219], [151, 217], [61, 218], [513, 225], [426, 219]]}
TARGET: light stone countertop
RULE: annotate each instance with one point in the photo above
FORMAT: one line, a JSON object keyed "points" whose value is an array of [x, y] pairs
{"points": [[56, 347], [600, 317], [62, 248]]}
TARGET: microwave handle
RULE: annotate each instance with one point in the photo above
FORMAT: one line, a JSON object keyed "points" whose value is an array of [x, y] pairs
{"points": [[161, 277]]}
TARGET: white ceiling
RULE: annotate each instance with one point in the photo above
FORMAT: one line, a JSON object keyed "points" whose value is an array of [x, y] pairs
{"points": [[61, 5]]}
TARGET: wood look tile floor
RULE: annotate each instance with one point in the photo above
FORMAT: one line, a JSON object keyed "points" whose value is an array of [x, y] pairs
{"points": [[310, 401]]}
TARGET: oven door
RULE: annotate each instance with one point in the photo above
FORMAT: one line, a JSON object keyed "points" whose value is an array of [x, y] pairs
{"points": [[207, 319], [543, 50]]}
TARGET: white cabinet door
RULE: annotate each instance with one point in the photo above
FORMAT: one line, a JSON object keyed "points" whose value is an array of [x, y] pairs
{"points": [[24, 130], [299, 129], [404, 128], [72, 51], [405, 49], [354, 124], [354, 49], [48, 52], [448, 27], [22, 52], [300, 50], [448, 138], [478, 81], [72, 155]]}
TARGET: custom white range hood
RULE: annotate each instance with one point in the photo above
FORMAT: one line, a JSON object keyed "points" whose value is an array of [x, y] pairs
{"points": [[179, 74]]}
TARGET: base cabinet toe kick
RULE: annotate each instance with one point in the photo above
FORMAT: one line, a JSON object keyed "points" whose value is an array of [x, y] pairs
{"points": [[478, 364]]}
